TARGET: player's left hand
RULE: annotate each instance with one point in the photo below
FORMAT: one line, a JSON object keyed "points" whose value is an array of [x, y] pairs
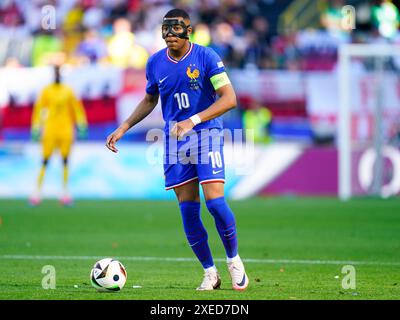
{"points": [[181, 128], [82, 132]]}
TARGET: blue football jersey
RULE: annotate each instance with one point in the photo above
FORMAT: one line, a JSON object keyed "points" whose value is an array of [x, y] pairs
{"points": [[184, 86]]}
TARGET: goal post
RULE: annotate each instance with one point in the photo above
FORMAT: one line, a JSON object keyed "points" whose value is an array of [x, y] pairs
{"points": [[344, 140]]}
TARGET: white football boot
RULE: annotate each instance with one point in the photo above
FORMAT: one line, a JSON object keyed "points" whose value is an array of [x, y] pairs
{"points": [[240, 280], [211, 280], [66, 199]]}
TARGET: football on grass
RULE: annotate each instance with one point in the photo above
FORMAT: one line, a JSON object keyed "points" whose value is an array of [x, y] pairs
{"points": [[108, 275]]}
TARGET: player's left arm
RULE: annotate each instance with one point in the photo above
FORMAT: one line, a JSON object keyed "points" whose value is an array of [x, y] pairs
{"points": [[80, 115], [226, 102], [36, 121]]}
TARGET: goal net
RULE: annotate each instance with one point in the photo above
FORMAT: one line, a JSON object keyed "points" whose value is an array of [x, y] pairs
{"points": [[369, 120]]}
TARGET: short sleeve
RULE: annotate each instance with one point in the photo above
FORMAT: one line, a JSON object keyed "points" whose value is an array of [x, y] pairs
{"points": [[214, 63], [151, 86]]}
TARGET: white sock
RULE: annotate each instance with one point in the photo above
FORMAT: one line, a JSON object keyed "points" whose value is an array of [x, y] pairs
{"points": [[212, 268], [235, 258], [65, 192], [36, 194]]}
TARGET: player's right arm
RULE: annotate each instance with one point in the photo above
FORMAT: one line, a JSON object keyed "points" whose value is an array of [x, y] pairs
{"points": [[144, 108]]}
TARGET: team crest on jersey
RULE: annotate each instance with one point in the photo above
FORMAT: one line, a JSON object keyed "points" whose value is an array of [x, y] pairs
{"points": [[193, 76]]}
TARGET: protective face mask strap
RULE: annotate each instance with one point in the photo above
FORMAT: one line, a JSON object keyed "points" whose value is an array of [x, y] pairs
{"points": [[170, 23]]}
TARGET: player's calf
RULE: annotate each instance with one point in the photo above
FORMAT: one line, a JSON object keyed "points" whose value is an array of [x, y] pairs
{"points": [[225, 223]]}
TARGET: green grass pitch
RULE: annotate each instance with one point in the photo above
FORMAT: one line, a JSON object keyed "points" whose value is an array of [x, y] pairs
{"points": [[295, 249]]}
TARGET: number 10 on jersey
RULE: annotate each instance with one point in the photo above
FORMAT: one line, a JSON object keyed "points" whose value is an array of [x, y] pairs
{"points": [[183, 100]]}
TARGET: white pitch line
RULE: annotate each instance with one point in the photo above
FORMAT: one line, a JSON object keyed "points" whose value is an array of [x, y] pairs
{"points": [[177, 259]]}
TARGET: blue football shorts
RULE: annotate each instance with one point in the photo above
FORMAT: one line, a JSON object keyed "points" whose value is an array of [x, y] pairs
{"points": [[198, 156]]}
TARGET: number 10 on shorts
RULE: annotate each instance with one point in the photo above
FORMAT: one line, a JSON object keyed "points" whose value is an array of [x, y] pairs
{"points": [[216, 159]]}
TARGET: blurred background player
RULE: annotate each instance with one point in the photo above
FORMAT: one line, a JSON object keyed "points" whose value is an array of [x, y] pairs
{"points": [[257, 119], [55, 113]]}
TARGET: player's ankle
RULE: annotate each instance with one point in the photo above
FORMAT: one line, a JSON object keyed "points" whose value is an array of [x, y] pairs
{"points": [[233, 259], [211, 269]]}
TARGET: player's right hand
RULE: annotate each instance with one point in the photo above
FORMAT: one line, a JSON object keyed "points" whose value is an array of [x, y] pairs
{"points": [[113, 138], [35, 134]]}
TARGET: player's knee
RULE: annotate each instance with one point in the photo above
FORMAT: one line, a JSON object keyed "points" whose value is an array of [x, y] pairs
{"points": [[184, 195], [45, 161], [213, 190], [194, 229], [184, 198], [65, 161], [214, 205], [223, 215]]}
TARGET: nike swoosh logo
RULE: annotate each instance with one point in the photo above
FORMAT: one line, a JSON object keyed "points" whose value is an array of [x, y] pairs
{"points": [[194, 243], [215, 172], [241, 284], [162, 80], [227, 235]]}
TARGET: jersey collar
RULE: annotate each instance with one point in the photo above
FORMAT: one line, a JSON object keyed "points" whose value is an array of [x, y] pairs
{"points": [[183, 58]]}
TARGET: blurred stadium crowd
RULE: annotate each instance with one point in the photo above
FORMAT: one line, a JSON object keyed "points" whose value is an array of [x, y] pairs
{"points": [[245, 33], [273, 49]]}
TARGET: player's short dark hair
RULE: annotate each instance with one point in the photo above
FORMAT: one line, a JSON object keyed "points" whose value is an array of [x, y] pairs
{"points": [[176, 13]]}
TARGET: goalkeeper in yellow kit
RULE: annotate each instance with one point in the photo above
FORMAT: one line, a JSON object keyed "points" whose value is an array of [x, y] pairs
{"points": [[54, 116]]}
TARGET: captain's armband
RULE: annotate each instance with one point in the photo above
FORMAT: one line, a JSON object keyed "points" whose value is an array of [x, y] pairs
{"points": [[219, 80]]}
